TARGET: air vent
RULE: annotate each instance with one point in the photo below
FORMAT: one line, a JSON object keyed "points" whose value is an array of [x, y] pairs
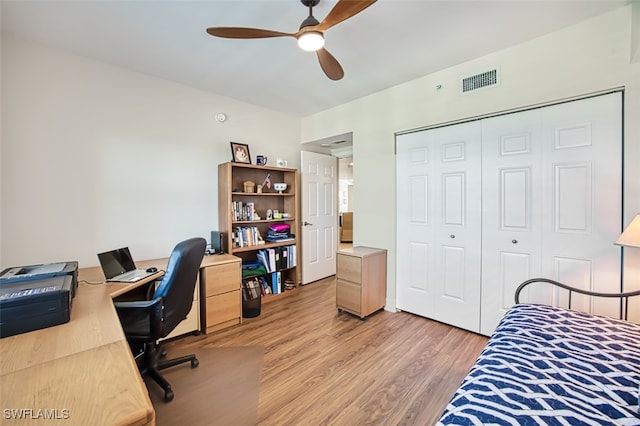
{"points": [[481, 80]]}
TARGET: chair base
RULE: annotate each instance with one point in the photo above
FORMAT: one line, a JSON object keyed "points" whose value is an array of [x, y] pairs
{"points": [[150, 366]]}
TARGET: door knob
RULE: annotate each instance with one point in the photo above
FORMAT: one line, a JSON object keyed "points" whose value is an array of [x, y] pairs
{"points": [[452, 236], [514, 241], [307, 223]]}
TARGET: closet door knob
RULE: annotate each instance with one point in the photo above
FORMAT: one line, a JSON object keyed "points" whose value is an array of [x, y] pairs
{"points": [[514, 241], [452, 236]]}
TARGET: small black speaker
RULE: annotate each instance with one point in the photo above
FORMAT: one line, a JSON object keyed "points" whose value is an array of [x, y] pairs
{"points": [[218, 242]]}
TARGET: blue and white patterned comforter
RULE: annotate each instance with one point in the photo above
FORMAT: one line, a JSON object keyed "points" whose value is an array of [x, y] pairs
{"points": [[551, 366]]}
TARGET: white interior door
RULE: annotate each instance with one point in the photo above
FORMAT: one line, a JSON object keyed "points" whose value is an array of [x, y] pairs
{"points": [[552, 200], [512, 208], [415, 223], [583, 198], [319, 182], [439, 224]]}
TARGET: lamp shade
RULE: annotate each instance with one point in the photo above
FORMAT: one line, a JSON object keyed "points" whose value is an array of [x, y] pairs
{"points": [[630, 237]]}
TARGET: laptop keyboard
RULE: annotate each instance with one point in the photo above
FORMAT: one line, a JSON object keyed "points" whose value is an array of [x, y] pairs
{"points": [[128, 275]]}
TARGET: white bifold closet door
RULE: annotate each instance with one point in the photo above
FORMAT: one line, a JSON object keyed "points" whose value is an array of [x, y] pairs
{"points": [[439, 224], [552, 183], [549, 183]]}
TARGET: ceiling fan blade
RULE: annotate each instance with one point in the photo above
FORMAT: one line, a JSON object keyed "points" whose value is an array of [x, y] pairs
{"points": [[344, 9], [329, 64], [240, 32]]}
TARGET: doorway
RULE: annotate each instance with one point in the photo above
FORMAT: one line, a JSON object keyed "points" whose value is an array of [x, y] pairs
{"points": [[319, 248], [345, 202]]}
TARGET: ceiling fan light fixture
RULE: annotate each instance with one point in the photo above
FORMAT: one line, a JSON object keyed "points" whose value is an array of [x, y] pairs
{"points": [[311, 41]]}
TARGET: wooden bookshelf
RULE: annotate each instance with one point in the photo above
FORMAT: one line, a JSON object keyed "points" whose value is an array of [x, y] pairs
{"points": [[231, 194]]}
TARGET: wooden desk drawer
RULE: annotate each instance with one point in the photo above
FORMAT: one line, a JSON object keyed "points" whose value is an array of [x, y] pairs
{"points": [[222, 278], [222, 308], [189, 324], [348, 296], [349, 268]]}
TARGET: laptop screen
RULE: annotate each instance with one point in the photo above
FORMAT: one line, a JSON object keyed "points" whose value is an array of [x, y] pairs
{"points": [[116, 262]]}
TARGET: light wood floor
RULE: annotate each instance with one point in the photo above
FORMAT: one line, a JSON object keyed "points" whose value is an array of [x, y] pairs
{"points": [[322, 367]]}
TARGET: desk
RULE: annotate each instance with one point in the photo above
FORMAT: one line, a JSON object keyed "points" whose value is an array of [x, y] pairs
{"points": [[81, 372]]}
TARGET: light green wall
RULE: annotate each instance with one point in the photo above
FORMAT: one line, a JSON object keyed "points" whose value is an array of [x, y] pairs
{"points": [[589, 57]]}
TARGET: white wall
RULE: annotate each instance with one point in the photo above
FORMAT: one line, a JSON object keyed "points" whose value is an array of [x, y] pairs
{"points": [[589, 57], [95, 157]]}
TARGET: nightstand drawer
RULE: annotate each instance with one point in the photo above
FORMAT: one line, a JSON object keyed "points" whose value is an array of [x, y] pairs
{"points": [[349, 268]]}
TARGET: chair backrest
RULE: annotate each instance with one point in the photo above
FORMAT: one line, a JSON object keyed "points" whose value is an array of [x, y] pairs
{"points": [[179, 281]]}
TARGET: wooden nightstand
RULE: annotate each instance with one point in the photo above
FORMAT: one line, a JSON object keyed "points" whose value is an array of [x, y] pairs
{"points": [[361, 286]]}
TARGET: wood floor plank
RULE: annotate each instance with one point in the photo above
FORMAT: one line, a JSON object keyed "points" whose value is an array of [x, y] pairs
{"points": [[323, 367]]}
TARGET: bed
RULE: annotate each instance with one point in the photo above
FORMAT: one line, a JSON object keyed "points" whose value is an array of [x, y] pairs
{"points": [[546, 365]]}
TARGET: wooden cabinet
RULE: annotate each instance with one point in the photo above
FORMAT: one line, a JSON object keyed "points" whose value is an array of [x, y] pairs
{"points": [[220, 281], [245, 215], [361, 286], [191, 324]]}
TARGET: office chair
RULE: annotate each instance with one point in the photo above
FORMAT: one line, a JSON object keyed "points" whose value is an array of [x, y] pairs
{"points": [[146, 321]]}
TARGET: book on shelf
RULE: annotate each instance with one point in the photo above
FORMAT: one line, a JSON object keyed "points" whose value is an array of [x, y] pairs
{"points": [[276, 282], [241, 211], [245, 236], [251, 289], [277, 258], [261, 255], [252, 269], [275, 236], [264, 286]]}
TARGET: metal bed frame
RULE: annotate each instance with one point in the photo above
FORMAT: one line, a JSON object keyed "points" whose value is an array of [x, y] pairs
{"points": [[624, 297]]}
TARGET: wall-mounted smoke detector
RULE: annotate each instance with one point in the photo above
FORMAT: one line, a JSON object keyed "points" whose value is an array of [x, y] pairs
{"points": [[480, 80]]}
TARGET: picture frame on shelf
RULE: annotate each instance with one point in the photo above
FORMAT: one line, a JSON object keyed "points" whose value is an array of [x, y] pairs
{"points": [[240, 153]]}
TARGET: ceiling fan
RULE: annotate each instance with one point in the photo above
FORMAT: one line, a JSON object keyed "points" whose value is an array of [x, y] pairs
{"points": [[310, 36]]}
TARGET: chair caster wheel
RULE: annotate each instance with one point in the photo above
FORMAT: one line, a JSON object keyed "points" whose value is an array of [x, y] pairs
{"points": [[195, 363], [168, 396]]}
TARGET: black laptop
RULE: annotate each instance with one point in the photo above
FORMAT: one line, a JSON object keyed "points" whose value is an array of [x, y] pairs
{"points": [[117, 265]]}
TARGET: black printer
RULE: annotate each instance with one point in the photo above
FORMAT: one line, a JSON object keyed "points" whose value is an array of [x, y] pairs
{"points": [[37, 272], [34, 304]]}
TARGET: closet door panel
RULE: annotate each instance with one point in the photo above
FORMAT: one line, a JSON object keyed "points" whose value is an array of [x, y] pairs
{"points": [[438, 210], [511, 197], [457, 262], [415, 218], [453, 264], [453, 197], [583, 191], [578, 272], [515, 198], [573, 196]]}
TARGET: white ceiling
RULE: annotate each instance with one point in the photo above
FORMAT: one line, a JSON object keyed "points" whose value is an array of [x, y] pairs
{"points": [[391, 42]]}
